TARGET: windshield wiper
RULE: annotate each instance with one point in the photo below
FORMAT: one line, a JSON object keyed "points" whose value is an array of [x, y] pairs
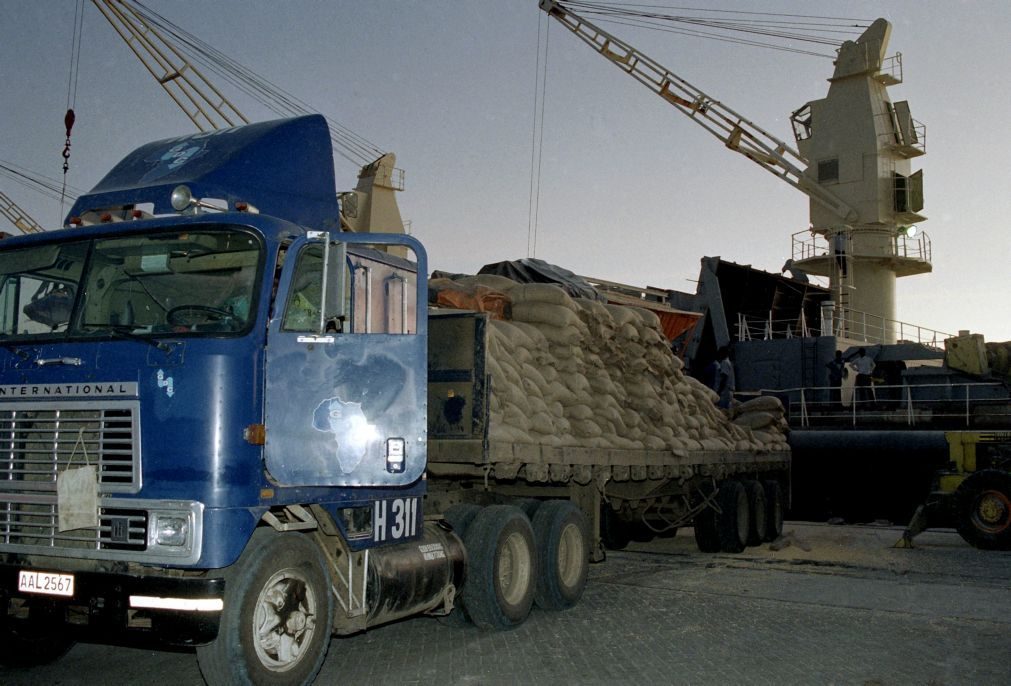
{"points": [[126, 331], [14, 349]]}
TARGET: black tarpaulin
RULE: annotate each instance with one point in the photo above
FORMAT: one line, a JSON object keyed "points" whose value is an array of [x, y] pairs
{"points": [[532, 270]]}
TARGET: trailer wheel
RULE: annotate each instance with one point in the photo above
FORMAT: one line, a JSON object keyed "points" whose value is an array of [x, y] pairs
{"points": [[706, 537], [562, 537], [733, 522], [614, 533], [275, 627], [39, 640], [639, 532], [983, 506], [757, 512], [528, 505], [773, 510], [503, 564]]}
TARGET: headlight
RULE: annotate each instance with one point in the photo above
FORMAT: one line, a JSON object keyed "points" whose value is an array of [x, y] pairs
{"points": [[169, 529]]}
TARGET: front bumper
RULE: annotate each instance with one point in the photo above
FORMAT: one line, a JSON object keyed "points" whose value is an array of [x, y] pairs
{"points": [[120, 606]]}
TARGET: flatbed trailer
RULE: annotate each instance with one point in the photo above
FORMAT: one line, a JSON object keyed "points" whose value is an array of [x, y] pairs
{"points": [[624, 493]]}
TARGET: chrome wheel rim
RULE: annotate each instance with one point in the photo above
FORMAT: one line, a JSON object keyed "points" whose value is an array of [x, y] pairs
{"points": [[284, 620]]}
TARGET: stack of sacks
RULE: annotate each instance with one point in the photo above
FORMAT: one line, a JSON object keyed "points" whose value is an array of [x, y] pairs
{"points": [[764, 417], [574, 372]]}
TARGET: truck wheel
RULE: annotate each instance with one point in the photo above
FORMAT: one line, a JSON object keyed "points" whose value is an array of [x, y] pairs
{"points": [[773, 510], [275, 627], [562, 537], [706, 537], [36, 641], [460, 516], [983, 506], [614, 533], [757, 511], [528, 505], [639, 532], [503, 563], [733, 522]]}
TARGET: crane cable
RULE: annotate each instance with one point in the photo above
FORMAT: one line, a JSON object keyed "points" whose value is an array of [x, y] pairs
{"points": [[819, 30], [70, 117], [537, 139], [43, 185], [348, 144]]}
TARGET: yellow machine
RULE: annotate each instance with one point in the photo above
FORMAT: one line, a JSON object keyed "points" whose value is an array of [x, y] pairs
{"points": [[973, 493]]}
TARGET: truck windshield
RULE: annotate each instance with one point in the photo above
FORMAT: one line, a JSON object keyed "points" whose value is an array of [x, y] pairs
{"points": [[188, 282]]}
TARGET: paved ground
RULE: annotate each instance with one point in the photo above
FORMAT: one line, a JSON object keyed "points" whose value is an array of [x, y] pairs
{"points": [[838, 606]]}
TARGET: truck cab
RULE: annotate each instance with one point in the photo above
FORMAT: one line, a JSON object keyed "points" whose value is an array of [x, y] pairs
{"points": [[199, 376]]}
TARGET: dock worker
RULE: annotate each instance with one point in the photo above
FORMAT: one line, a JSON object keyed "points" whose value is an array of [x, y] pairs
{"points": [[725, 375], [796, 274], [864, 368], [839, 248]]}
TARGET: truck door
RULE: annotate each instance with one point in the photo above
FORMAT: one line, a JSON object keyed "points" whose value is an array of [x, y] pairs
{"points": [[346, 364]]}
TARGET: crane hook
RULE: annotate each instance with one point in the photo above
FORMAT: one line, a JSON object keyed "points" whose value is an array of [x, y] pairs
{"points": [[68, 121]]}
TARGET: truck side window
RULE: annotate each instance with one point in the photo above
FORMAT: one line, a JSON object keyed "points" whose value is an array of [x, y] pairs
{"points": [[302, 311], [383, 297]]}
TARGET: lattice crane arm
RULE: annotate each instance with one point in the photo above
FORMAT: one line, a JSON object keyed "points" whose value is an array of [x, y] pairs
{"points": [[197, 97], [372, 206], [733, 130], [17, 216]]}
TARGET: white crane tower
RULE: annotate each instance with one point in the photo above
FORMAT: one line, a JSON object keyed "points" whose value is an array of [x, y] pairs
{"points": [[852, 160]]}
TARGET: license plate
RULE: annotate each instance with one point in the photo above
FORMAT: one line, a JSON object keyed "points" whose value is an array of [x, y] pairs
{"points": [[46, 583]]}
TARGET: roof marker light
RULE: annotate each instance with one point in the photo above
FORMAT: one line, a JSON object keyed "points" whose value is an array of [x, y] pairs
{"points": [[181, 198]]}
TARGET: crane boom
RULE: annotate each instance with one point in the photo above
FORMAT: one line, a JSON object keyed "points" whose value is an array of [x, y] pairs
{"points": [[734, 131], [371, 206], [17, 216], [204, 104]]}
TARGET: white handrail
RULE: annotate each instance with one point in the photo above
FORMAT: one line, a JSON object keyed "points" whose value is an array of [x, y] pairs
{"points": [[903, 408]]}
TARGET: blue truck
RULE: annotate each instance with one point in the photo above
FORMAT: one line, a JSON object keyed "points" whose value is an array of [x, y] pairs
{"points": [[215, 428]]}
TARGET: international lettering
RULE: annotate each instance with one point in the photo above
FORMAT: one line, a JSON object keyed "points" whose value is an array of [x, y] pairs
{"points": [[71, 390]]}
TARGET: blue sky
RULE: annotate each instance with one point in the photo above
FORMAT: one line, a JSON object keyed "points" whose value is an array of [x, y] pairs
{"points": [[630, 190]]}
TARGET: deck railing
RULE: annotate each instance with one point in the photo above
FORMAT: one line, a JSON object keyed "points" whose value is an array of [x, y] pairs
{"points": [[910, 405]]}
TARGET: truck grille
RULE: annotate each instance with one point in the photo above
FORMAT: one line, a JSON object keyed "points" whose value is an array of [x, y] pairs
{"points": [[38, 441], [35, 524]]}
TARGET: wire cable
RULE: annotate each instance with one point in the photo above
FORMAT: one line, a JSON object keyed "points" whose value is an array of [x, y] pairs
{"points": [[350, 145], [755, 29], [536, 144], [69, 117]]}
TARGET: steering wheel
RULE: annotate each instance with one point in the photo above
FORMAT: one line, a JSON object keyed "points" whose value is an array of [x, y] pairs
{"points": [[190, 315]]}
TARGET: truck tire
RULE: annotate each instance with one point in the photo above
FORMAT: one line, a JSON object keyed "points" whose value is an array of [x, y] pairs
{"points": [[757, 512], [706, 538], [39, 640], [773, 510], [278, 615], [528, 505], [503, 567], [733, 522], [983, 509], [639, 532], [460, 516], [562, 537], [614, 533]]}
